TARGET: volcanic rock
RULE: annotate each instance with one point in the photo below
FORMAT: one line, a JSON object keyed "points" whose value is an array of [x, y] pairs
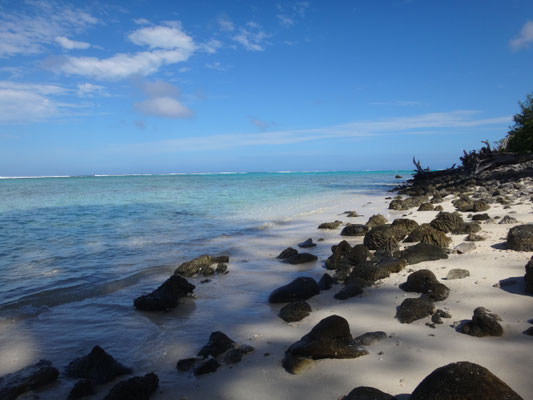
{"points": [[414, 309], [97, 366], [28, 378], [520, 238], [218, 344], [426, 207], [354, 230], [307, 244], [301, 258], [295, 311], [330, 338], [423, 252], [367, 393], [82, 388], [287, 253], [301, 288], [463, 380], [376, 220], [136, 388], [483, 323], [165, 296], [330, 225], [528, 277], [370, 338], [325, 282], [425, 282], [457, 273], [208, 366]]}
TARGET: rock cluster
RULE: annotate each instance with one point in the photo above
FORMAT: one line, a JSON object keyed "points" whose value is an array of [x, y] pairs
{"points": [[31, 377], [203, 265]]}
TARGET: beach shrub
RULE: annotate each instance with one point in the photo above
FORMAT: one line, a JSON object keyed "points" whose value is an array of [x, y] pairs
{"points": [[520, 138]]}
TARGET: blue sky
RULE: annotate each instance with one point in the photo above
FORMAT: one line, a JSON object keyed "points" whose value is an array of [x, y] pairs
{"points": [[178, 86]]}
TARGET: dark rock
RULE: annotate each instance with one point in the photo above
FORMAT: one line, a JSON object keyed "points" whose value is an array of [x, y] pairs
{"points": [[218, 344], [447, 222], [295, 311], [222, 268], [393, 265], [352, 214], [425, 282], [414, 309], [398, 177], [508, 220], [376, 238], [367, 393], [528, 277], [470, 227], [528, 331], [404, 226], [330, 338], [233, 356], [480, 205], [418, 233], [520, 238], [165, 296], [466, 204], [358, 254], [436, 238], [438, 208], [354, 230], [481, 217], [325, 282], [301, 258], [423, 252], [369, 271], [200, 265], [376, 220], [98, 366], [474, 237], [330, 225], [439, 314], [348, 291], [136, 388], [186, 364], [465, 247], [28, 378], [389, 248], [301, 288], [82, 388], [287, 253], [426, 207], [208, 366], [457, 273], [484, 323], [307, 244], [463, 380], [337, 260], [370, 338]]}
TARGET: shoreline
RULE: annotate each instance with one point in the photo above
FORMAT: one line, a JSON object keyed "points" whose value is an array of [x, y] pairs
{"points": [[408, 355]]}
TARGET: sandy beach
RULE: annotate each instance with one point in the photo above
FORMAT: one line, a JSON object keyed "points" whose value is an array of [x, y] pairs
{"points": [[396, 365]]}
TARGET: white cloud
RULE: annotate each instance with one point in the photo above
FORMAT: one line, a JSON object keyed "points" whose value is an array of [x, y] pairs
{"points": [[217, 66], [141, 21], [37, 24], [68, 44], [163, 37], [168, 44], [225, 24], [525, 38], [252, 38], [163, 101], [433, 123], [27, 102], [211, 46], [89, 90], [167, 107]]}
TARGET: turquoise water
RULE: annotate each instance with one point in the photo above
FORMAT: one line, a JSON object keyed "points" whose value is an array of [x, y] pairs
{"points": [[80, 233], [75, 252]]}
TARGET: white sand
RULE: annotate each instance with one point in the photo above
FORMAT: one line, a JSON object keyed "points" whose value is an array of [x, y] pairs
{"points": [[396, 365]]}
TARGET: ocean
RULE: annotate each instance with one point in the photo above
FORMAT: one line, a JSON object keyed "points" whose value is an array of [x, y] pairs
{"points": [[75, 251]]}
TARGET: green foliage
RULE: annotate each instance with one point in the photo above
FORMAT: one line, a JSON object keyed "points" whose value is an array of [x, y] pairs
{"points": [[520, 137]]}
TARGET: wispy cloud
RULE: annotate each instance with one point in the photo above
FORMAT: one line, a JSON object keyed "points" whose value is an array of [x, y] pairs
{"points": [[433, 123], [37, 24], [68, 44], [225, 24], [524, 39], [87, 89], [217, 66], [252, 37], [163, 101], [168, 45], [285, 20], [28, 102], [258, 123]]}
